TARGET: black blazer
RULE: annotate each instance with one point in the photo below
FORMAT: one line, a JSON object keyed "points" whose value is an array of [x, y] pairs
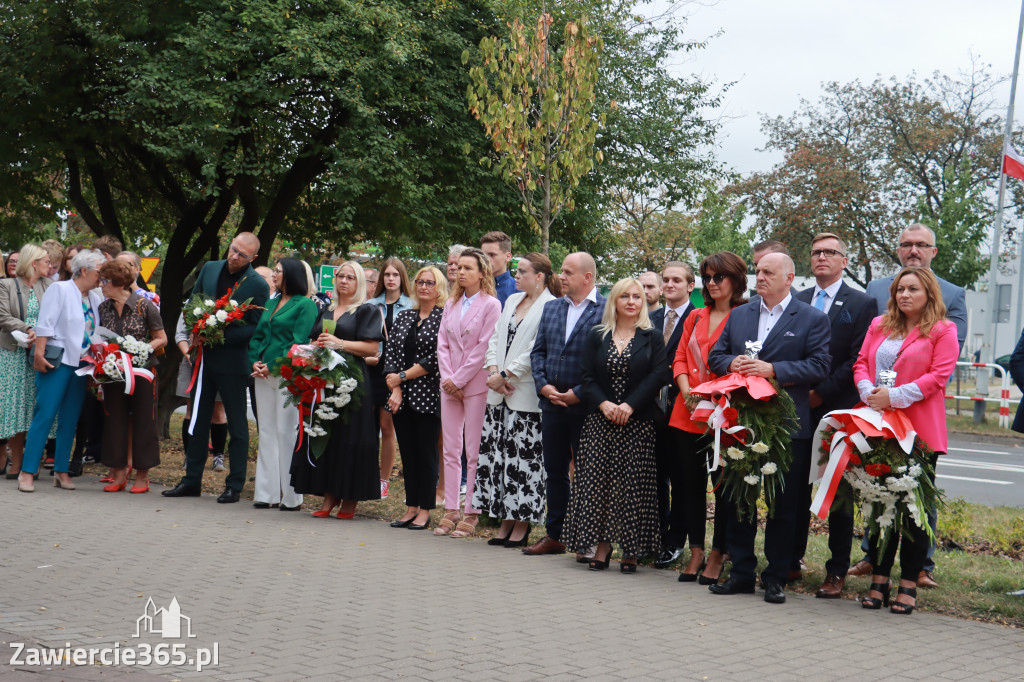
{"points": [[422, 394], [658, 320], [232, 357], [648, 372], [849, 317]]}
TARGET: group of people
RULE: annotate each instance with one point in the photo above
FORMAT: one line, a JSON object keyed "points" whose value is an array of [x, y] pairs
{"points": [[552, 402]]}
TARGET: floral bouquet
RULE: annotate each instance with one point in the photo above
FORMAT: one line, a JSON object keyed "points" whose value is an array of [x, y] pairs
{"points": [[208, 317], [321, 382], [121, 359], [753, 418], [884, 461]]}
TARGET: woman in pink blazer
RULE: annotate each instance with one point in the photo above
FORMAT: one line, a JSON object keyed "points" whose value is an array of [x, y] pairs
{"points": [[914, 339], [466, 327]]}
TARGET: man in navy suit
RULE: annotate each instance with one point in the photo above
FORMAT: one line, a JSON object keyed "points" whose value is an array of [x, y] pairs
{"points": [[917, 248], [849, 315], [677, 284], [794, 338], [556, 365]]}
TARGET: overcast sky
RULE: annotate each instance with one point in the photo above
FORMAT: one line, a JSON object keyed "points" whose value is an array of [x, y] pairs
{"points": [[778, 52]]}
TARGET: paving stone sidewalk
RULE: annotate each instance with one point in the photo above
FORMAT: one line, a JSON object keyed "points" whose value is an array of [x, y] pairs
{"points": [[285, 596]]}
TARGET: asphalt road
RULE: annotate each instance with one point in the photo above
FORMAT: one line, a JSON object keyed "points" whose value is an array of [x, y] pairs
{"points": [[984, 473]]}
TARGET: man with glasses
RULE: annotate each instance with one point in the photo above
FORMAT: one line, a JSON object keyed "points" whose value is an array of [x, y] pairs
{"points": [[917, 248], [849, 315], [225, 370]]}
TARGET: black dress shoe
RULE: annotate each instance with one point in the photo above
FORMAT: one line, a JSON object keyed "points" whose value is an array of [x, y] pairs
{"points": [[775, 593], [285, 507], [183, 490], [667, 556], [420, 526], [403, 524], [229, 495], [733, 586], [261, 505]]}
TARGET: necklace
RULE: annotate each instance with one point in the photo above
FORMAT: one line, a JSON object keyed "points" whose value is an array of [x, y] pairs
{"points": [[621, 342]]}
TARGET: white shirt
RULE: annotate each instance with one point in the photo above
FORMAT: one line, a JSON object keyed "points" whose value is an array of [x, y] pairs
{"points": [[830, 294], [466, 302], [769, 318], [576, 311]]}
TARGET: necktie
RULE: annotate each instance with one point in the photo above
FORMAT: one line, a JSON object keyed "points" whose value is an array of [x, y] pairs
{"points": [[670, 324], [819, 302]]}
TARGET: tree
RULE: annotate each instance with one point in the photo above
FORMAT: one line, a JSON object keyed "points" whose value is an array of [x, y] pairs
{"points": [[535, 101], [867, 160]]}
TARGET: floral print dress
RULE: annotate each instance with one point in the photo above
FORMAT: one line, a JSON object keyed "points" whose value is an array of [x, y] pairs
{"points": [[18, 381]]}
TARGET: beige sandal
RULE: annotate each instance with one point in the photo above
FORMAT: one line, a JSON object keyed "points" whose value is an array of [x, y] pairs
{"points": [[445, 526], [463, 530]]}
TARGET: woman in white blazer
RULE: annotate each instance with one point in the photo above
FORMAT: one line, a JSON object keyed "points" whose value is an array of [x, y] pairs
{"points": [[510, 473]]}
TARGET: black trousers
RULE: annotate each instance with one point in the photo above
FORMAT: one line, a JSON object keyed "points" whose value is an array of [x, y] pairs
{"points": [[672, 451], [417, 436], [913, 548], [131, 420], [233, 390], [780, 529], [840, 531], [560, 435]]}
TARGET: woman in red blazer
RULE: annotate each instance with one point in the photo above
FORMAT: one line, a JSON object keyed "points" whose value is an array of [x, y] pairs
{"points": [[724, 276], [466, 327], [914, 339]]}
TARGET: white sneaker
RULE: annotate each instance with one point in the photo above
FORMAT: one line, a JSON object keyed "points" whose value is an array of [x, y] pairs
{"points": [[383, 490], [218, 463]]}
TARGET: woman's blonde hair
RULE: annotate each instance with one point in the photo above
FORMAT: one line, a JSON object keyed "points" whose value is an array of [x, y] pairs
{"points": [[610, 316], [441, 287], [360, 295], [484, 265], [28, 255], [894, 322]]}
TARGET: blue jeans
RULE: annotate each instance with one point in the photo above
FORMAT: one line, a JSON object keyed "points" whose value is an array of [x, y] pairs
{"points": [[59, 395]]}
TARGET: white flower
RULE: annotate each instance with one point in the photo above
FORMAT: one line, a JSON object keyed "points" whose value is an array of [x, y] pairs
{"points": [[344, 400], [233, 303], [197, 311], [752, 479], [915, 471], [769, 468], [211, 321], [208, 302], [222, 315], [734, 453], [759, 447]]}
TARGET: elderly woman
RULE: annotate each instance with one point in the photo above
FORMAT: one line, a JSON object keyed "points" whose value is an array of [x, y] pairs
{"points": [[410, 366], [130, 429], [68, 315], [914, 339], [19, 310], [346, 472], [510, 474], [285, 322], [391, 296], [614, 493]]}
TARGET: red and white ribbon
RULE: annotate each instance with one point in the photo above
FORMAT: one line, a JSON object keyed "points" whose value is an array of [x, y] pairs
{"points": [[123, 362], [713, 414], [197, 382]]}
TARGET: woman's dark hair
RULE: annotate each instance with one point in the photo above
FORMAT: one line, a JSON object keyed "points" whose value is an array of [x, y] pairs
{"points": [[293, 277], [404, 287], [119, 273], [63, 273], [542, 264], [732, 266]]}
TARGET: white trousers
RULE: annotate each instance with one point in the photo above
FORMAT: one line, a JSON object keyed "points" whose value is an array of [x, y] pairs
{"points": [[278, 429]]}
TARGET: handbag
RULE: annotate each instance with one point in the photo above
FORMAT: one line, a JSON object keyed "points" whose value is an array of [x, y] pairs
{"points": [[53, 354]]}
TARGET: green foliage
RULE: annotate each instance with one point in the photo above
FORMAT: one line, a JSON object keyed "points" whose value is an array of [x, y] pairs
{"points": [[960, 224]]}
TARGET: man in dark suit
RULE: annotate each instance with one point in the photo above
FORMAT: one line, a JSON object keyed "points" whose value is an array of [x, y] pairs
{"points": [[849, 315], [917, 248], [677, 284], [225, 369], [1017, 374], [556, 364], [794, 338]]}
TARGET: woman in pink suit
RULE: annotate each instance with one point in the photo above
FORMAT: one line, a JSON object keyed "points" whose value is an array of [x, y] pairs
{"points": [[914, 339], [466, 328]]}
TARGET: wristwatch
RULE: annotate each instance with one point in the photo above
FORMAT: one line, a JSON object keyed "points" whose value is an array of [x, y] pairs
{"points": [[504, 374], [401, 376]]}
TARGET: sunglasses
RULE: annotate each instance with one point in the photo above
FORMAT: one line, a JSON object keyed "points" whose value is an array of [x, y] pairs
{"points": [[717, 278]]}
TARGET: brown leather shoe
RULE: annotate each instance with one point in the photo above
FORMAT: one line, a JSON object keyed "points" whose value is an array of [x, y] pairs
{"points": [[861, 568], [926, 579], [545, 545], [795, 575], [832, 587]]}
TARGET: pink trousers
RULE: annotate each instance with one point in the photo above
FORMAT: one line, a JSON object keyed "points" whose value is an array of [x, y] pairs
{"points": [[458, 417]]}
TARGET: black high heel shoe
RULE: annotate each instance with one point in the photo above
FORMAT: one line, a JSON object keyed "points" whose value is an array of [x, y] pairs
{"points": [[521, 542], [402, 524], [496, 541], [900, 607], [875, 604], [600, 564], [627, 568], [692, 577]]}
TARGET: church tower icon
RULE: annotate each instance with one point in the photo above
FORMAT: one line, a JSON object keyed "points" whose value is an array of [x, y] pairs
{"points": [[164, 622]]}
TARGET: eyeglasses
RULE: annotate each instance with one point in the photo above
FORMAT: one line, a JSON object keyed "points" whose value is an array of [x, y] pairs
{"points": [[828, 253], [425, 283], [346, 278], [921, 246], [104, 282], [278, 271], [717, 278], [242, 254]]}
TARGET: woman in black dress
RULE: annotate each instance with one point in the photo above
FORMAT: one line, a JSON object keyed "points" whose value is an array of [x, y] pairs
{"points": [[614, 493], [347, 472]]}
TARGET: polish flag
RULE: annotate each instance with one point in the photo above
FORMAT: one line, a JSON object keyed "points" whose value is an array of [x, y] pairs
{"points": [[1013, 163]]}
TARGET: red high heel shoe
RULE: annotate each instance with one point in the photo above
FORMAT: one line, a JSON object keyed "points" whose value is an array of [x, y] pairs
{"points": [[115, 487], [323, 513], [110, 479], [140, 490]]}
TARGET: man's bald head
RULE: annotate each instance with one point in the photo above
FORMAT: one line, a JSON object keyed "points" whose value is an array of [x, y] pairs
{"points": [[775, 273], [579, 271]]}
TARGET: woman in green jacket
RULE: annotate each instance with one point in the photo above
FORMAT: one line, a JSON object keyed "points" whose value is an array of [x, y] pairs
{"points": [[286, 321]]}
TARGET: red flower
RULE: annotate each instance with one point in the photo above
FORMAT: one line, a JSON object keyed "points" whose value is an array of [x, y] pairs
{"points": [[730, 414], [877, 469], [286, 371], [728, 440], [855, 459]]}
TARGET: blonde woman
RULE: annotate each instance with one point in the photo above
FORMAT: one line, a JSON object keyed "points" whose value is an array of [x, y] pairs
{"points": [[347, 471], [614, 493]]}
